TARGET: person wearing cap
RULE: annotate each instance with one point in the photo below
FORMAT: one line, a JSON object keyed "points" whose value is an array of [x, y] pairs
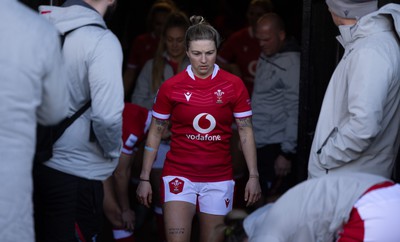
{"points": [[358, 126], [341, 207]]}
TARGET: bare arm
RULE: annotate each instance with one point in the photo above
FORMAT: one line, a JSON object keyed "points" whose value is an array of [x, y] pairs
{"points": [[157, 128], [122, 175], [253, 189]]}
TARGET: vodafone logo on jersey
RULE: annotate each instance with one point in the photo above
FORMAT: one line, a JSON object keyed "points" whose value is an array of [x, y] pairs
{"points": [[207, 116], [204, 123]]}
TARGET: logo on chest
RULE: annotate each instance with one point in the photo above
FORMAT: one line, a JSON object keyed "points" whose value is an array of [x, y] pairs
{"points": [[204, 123], [219, 95], [187, 95]]}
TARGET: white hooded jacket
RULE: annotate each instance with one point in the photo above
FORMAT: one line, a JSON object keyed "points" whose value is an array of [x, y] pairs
{"points": [[358, 126]]}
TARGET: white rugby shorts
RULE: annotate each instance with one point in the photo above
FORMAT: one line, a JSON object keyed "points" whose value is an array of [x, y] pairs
{"points": [[211, 197]]}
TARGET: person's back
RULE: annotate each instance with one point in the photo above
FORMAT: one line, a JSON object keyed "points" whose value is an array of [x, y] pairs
{"points": [[89, 52], [32, 89], [358, 127], [88, 151]]}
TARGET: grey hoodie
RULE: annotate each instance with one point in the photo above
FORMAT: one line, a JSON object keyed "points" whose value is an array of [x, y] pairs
{"points": [[275, 98], [93, 58]]}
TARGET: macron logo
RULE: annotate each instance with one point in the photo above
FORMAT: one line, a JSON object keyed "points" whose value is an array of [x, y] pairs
{"points": [[188, 95]]}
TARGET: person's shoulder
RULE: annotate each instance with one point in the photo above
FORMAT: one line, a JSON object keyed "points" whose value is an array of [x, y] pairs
{"points": [[32, 21], [176, 81], [104, 38], [148, 65], [292, 56], [26, 28], [178, 78], [100, 32], [286, 59]]}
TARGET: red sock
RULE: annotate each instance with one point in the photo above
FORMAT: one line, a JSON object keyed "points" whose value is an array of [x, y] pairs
{"points": [[121, 235]]}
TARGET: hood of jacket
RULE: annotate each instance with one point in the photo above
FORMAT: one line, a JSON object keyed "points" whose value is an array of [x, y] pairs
{"points": [[374, 22], [72, 16]]}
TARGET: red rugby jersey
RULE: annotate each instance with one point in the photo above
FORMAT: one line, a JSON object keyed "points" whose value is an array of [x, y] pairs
{"points": [[135, 124], [201, 112]]}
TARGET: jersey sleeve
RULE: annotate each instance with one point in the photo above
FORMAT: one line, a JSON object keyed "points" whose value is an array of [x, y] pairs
{"points": [[162, 105], [242, 108], [135, 124]]}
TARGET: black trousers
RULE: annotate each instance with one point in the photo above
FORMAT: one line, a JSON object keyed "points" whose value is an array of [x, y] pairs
{"points": [[270, 183], [66, 207]]}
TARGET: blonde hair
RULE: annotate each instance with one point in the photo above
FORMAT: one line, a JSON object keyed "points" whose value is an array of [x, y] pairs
{"points": [[201, 30]]}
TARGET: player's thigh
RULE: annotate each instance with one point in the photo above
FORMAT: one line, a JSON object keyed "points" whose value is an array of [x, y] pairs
{"points": [[208, 224], [178, 216]]}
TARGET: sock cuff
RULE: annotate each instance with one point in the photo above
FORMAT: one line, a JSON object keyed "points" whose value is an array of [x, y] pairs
{"points": [[121, 233], [158, 210]]}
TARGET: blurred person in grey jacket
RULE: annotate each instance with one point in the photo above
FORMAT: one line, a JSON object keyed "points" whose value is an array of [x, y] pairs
{"points": [[358, 126], [275, 104], [32, 90], [70, 207]]}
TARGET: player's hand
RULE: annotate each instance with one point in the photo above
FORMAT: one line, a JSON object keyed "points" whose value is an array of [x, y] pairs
{"points": [[252, 191], [144, 193], [128, 218], [283, 166]]}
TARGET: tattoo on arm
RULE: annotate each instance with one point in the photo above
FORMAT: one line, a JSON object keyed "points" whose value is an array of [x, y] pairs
{"points": [[244, 122], [161, 125]]}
